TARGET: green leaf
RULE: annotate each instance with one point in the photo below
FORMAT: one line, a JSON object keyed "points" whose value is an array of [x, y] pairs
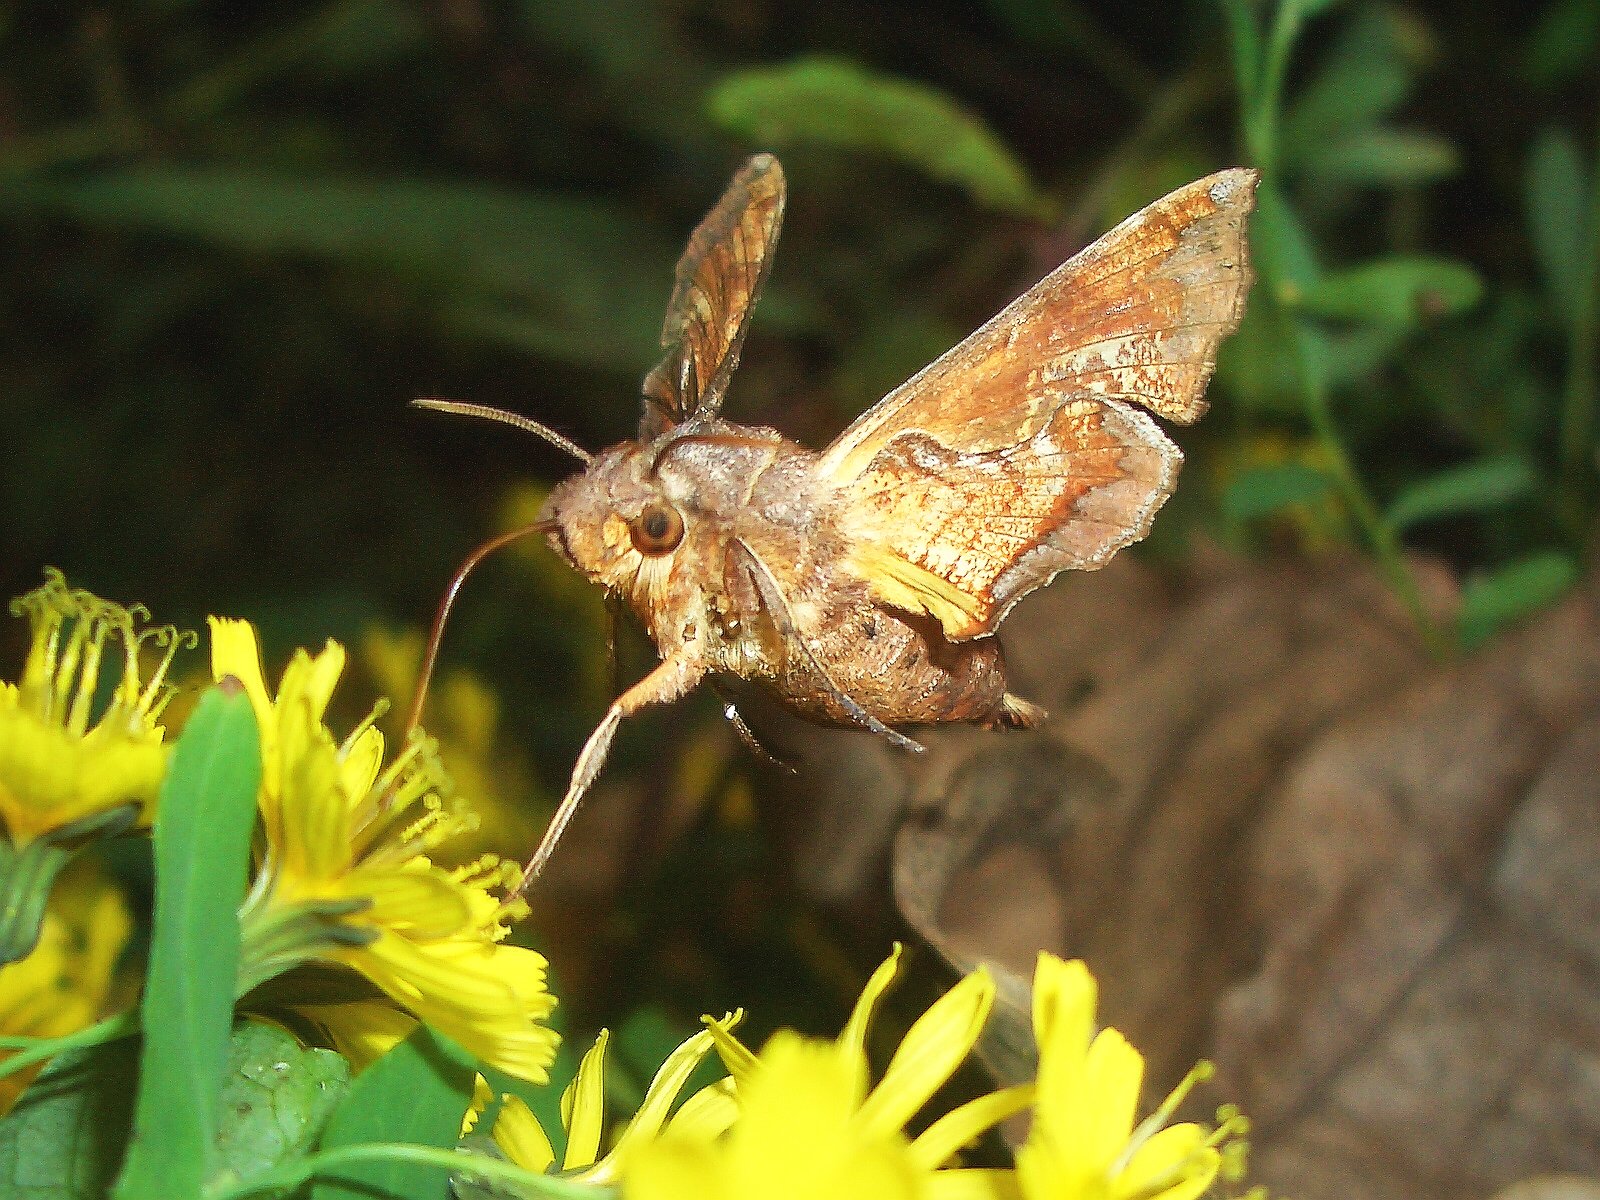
{"points": [[66, 1136], [276, 1098], [1557, 202], [1280, 242], [590, 276], [415, 1094], [834, 102], [203, 823], [1478, 486], [1256, 366], [1353, 353], [1493, 601], [1399, 291], [1382, 158], [1262, 491], [1363, 79]]}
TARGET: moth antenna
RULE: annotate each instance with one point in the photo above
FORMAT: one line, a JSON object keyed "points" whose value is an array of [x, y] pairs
{"points": [[707, 439], [431, 655], [517, 420]]}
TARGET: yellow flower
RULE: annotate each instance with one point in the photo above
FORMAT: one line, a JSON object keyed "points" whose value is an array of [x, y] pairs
{"points": [[705, 1115], [464, 717], [809, 1126], [64, 985], [65, 778], [346, 878], [363, 1031], [55, 769], [1084, 1144]]}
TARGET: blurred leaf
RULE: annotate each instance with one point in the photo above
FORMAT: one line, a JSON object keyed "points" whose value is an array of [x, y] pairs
{"points": [[1257, 366], [1245, 38], [1364, 78], [837, 103], [1399, 291], [1557, 203], [66, 1136], [1262, 491], [1065, 25], [1477, 486], [1382, 158], [358, 35], [1354, 353], [346, 37], [635, 62], [888, 353], [1563, 41], [590, 277], [276, 1098], [1281, 242], [622, 40], [416, 1094], [1491, 602], [203, 824]]}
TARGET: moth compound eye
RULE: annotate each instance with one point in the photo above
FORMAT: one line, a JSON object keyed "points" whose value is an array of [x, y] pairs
{"points": [[657, 529]]}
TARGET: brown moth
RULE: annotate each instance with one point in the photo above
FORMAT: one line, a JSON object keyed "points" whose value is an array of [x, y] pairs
{"points": [[862, 585]]}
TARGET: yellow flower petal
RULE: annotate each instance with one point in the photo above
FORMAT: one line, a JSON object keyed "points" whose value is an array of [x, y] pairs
{"points": [[935, 1046], [659, 1097], [736, 1056], [521, 1138], [361, 1030], [853, 1040], [1174, 1164], [962, 1125], [709, 1112], [235, 652], [489, 998], [974, 1185], [419, 902], [1113, 1077], [676, 1169], [583, 1106]]}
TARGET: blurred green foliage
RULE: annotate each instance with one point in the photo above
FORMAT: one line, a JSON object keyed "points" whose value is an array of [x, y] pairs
{"points": [[239, 237]]}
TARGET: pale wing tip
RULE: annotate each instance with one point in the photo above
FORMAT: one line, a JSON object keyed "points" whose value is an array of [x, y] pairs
{"points": [[1233, 188], [764, 166]]}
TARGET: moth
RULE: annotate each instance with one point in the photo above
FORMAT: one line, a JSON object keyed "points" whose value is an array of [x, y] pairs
{"points": [[863, 585]]}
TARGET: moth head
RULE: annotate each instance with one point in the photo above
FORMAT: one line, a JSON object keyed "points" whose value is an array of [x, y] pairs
{"points": [[621, 521]]}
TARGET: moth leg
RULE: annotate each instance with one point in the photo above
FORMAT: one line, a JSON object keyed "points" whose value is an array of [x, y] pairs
{"points": [[773, 597], [751, 743], [672, 678]]}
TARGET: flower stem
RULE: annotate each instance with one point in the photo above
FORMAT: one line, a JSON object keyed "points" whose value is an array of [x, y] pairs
{"points": [[294, 1175], [1380, 534], [109, 1030]]}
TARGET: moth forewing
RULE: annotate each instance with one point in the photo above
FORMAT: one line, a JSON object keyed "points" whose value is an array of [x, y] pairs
{"points": [[1020, 453]]}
